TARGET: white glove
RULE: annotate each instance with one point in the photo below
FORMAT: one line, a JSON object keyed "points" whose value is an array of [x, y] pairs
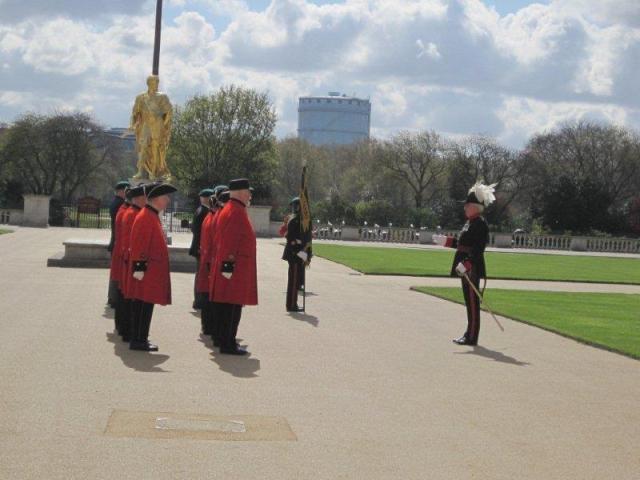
{"points": [[138, 275], [303, 255], [461, 269], [227, 275], [439, 239]]}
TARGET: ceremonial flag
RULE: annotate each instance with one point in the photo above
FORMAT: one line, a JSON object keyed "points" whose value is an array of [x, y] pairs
{"points": [[305, 212]]}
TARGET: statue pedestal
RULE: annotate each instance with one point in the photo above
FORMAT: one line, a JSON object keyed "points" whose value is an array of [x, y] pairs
{"points": [[36, 211]]}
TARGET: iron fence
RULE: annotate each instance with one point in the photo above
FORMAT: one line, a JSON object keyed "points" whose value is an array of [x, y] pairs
{"points": [[173, 221]]}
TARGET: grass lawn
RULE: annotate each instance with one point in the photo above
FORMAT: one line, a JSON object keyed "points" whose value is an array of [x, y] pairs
{"points": [[3, 230], [608, 320], [513, 266]]}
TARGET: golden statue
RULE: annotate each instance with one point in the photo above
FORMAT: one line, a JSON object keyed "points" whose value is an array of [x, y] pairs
{"points": [[151, 122]]}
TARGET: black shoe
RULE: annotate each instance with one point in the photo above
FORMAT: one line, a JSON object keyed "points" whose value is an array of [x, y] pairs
{"points": [[143, 346], [233, 351], [464, 341], [295, 309]]}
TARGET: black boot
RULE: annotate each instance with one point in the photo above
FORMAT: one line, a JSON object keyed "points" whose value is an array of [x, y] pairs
{"points": [[463, 340]]}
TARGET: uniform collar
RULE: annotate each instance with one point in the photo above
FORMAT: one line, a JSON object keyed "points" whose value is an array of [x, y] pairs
{"points": [[238, 201], [152, 209], [135, 206]]}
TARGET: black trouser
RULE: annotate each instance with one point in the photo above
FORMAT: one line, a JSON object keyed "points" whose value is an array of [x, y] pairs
{"points": [[125, 312], [141, 321], [119, 307], [230, 316], [198, 299], [112, 295], [296, 280], [472, 303], [216, 321], [206, 316]]}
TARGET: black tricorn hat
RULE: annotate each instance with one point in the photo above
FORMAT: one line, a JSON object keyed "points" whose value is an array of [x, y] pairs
{"points": [[239, 184], [221, 193], [223, 196], [121, 185], [294, 200], [137, 191], [158, 189]]}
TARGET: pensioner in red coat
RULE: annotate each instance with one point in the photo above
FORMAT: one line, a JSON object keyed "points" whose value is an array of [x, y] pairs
{"points": [[234, 239], [206, 239], [125, 246], [115, 272], [149, 248]]}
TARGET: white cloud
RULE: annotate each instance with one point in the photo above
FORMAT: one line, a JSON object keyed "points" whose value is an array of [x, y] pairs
{"points": [[523, 117], [430, 50], [456, 66]]}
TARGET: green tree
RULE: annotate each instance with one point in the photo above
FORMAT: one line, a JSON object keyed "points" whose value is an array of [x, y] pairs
{"points": [[225, 135]]}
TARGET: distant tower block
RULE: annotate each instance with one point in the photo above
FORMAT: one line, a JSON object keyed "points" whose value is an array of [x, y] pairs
{"points": [[333, 120]]}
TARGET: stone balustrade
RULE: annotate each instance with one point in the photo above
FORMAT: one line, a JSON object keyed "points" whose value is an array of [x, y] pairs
{"points": [[10, 216], [496, 240]]}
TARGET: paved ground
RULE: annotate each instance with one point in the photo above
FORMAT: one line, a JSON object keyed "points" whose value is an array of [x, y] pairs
{"points": [[369, 383]]}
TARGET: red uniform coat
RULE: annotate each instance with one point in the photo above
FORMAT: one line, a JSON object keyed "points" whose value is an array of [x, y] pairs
{"points": [[148, 245], [125, 242], [235, 237], [206, 239], [116, 265]]}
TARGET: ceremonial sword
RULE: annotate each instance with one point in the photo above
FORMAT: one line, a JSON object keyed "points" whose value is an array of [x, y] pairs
{"points": [[466, 277]]}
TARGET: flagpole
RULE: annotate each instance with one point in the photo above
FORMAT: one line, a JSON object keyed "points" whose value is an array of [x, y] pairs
{"points": [[156, 43], [303, 188]]}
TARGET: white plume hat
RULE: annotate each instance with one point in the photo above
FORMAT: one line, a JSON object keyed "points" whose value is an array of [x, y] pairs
{"points": [[482, 194]]}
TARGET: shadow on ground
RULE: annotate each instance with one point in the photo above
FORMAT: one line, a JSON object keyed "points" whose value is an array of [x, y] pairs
{"points": [[139, 361], [241, 367], [305, 317], [494, 355]]}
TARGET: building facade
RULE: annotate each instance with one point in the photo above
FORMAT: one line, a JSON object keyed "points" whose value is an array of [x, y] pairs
{"points": [[333, 120]]}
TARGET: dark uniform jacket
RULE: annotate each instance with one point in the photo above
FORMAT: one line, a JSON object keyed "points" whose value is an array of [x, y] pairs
{"points": [[470, 246], [196, 228], [116, 203], [296, 240]]}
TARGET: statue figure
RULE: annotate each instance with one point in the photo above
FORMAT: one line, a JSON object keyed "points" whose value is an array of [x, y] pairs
{"points": [[151, 122]]}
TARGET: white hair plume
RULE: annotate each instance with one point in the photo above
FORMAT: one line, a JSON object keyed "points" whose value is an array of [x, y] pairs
{"points": [[484, 193]]}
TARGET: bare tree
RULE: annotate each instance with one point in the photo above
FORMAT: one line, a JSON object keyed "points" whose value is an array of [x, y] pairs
{"points": [[605, 153], [417, 159], [481, 158], [59, 153]]}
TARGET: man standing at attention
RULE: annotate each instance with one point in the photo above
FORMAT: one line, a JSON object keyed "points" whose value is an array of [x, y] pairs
{"points": [[116, 203], [295, 254], [468, 261], [149, 257], [196, 228], [233, 281]]}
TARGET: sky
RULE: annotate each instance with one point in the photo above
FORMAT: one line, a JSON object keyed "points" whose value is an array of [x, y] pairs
{"points": [[504, 68]]}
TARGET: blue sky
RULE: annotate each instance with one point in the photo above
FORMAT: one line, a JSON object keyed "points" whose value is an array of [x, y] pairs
{"points": [[504, 68]]}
